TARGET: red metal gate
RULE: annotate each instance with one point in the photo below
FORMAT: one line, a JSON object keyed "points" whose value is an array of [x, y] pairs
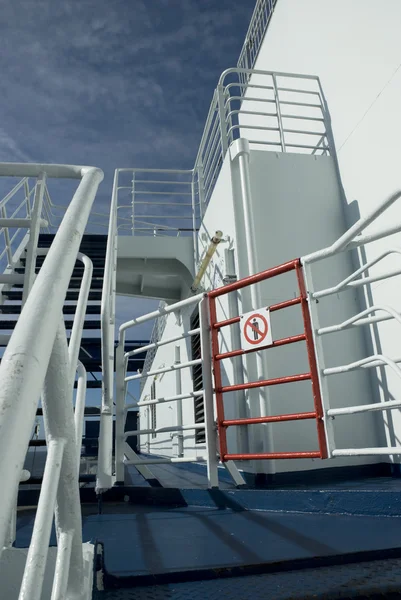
{"points": [[312, 375]]}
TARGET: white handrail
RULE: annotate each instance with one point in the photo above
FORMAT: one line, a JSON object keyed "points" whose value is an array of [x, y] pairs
{"points": [[27, 356], [349, 237], [104, 474]]}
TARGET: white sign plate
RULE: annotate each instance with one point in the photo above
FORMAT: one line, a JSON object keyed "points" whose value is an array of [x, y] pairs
{"points": [[256, 329]]}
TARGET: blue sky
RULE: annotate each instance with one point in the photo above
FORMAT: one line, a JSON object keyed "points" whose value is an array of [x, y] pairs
{"points": [[113, 83]]}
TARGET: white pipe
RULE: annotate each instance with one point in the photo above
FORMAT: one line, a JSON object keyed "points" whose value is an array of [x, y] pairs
{"points": [[59, 417], [60, 582], [166, 461], [174, 367], [32, 581], [389, 451], [165, 429], [242, 433], [240, 149], [351, 410], [362, 363], [177, 338], [355, 318], [79, 411], [350, 280], [80, 312], [21, 223], [166, 399], [348, 237], [178, 389], [24, 364], [159, 312]]}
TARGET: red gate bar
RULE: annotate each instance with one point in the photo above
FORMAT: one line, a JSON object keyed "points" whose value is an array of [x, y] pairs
{"points": [[217, 357], [283, 342], [272, 456], [272, 308], [268, 274], [271, 419], [264, 383], [310, 347]]}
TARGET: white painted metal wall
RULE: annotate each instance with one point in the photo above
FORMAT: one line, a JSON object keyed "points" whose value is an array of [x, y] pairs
{"points": [[297, 206], [355, 49]]}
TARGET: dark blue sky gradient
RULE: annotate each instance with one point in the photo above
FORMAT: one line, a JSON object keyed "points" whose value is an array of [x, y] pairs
{"points": [[113, 83]]}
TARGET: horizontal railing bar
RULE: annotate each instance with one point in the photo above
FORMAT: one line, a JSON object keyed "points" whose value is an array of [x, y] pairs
{"points": [[147, 203], [301, 118], [171, 398], [358, 283], [150, 193], [364, 363], [304, 132], [174, 367], [248, 85], [283, 89], [265, 383], [265, 143], [360, 323], [12, 193], [258, 127], [367, 451], [160, 312], [168, 217], [242, 98], [137, 170], [270, 419], [250, 112], [291, 145], [293, 103], [22, 223], [176, 338], [158, 181], [246, 281], [166, 461], [165, 429], [350, 410], [273, 456], [293, 339]]}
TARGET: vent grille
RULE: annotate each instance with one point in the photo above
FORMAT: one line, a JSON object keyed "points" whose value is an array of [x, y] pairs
{"points": [[197, 377]]}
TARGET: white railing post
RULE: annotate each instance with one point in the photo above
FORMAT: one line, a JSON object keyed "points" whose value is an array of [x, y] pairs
{"points": [[133, 202], [31, 249], [105, 455], [79, 412], [32, 581], [210, 425], [222, 119], [178, 390], [120, 412], [80, 313], [59, 418]]}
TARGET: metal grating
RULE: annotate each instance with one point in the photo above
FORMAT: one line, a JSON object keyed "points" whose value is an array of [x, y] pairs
{"points": [[197, 377]]}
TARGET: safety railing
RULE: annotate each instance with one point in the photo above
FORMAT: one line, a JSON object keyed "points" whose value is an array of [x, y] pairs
{"points": [[218, 356], [124, 455], [122, 381], [38, 361], [282, 112], [253, 40], [373, 314]]}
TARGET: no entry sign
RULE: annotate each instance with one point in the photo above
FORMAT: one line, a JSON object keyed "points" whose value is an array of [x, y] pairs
{"points": [[256, 329]]}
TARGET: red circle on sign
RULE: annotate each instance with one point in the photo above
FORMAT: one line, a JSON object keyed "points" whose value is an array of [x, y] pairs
{"points": [[263, 334]]}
